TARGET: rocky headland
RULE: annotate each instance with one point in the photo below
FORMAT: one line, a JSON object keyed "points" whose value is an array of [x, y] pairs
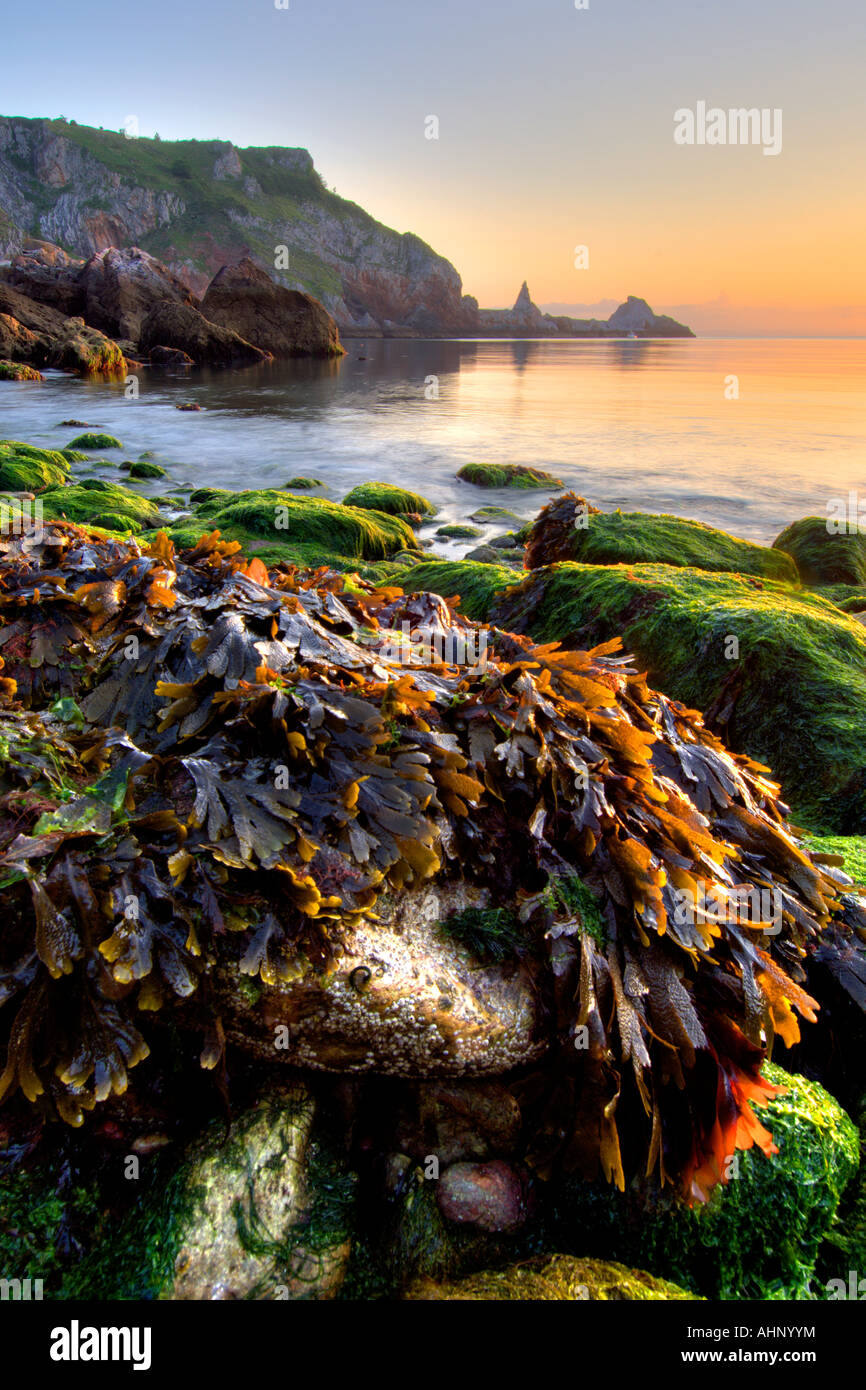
{"points": [[197, 207]]}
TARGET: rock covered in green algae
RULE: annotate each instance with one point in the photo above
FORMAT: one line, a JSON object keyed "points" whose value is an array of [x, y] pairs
{"points": [[260, 1210], [491, 514], [93, 441], [823, 555], [18, 371], [611, 538], [456, 531], [146, 470], [24, 468], [283, 527], [99, 503], [759, 1236], [781, 671], [548, 1278], [246, 1199], [516, 475], [385, 497]]}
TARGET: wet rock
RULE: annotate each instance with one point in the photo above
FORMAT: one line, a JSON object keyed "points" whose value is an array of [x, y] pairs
{"points": [[485, 554], [406, 1000], [285, 323], [17, 371], [243, 1228], [491, 1196], [459, 1120], [559, 1278], [508, 541], [175, 325], [161, 356], [45, 337]]}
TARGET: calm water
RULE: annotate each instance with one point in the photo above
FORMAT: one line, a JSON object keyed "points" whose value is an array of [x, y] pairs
{"points": [[638, 425]]}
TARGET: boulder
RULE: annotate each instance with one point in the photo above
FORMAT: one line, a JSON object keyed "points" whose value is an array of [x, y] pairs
{"points": [[253, 1183], [45, 337], [285, 323], [517, 475], [824, 553], [569, 528], [175, 325], [17, 371], [121, 287], [48, 281], [406, 1000]]}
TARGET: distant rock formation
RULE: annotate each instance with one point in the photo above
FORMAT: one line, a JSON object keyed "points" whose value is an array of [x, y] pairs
{"points": [[526, 320]]}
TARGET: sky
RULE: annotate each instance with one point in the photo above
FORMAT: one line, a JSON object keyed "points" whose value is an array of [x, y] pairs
{"points": [[555, 132]]}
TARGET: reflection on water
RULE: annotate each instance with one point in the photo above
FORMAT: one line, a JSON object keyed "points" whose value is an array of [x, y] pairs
{"points": [[642, 425]]}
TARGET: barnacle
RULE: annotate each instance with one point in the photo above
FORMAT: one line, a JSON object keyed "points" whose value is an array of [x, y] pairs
{"points": [[222, 764]]}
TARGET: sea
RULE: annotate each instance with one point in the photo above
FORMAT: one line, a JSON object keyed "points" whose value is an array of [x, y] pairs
{"points": [[744, 434]]}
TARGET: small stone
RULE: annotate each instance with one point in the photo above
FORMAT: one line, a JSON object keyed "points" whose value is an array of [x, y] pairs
{"points": [[487, 1195]]}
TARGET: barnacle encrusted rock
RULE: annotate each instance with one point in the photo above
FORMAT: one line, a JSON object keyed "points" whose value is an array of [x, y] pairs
{"points": [[405, 1000]]}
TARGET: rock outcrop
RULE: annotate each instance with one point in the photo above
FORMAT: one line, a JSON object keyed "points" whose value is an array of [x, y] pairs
{"points": [[171, 324], [285, 323], [38, 334], [121, 287]]}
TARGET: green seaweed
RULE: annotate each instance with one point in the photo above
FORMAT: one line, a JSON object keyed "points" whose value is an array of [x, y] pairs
{"points": [[24, 468], [92, 441], [146, 470], [517, 475], [822, 555], [611, 538], [281, 517], [96, 502], [385, 497]]}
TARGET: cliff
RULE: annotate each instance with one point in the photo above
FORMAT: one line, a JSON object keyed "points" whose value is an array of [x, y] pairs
{"points": [[197, 205]]}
